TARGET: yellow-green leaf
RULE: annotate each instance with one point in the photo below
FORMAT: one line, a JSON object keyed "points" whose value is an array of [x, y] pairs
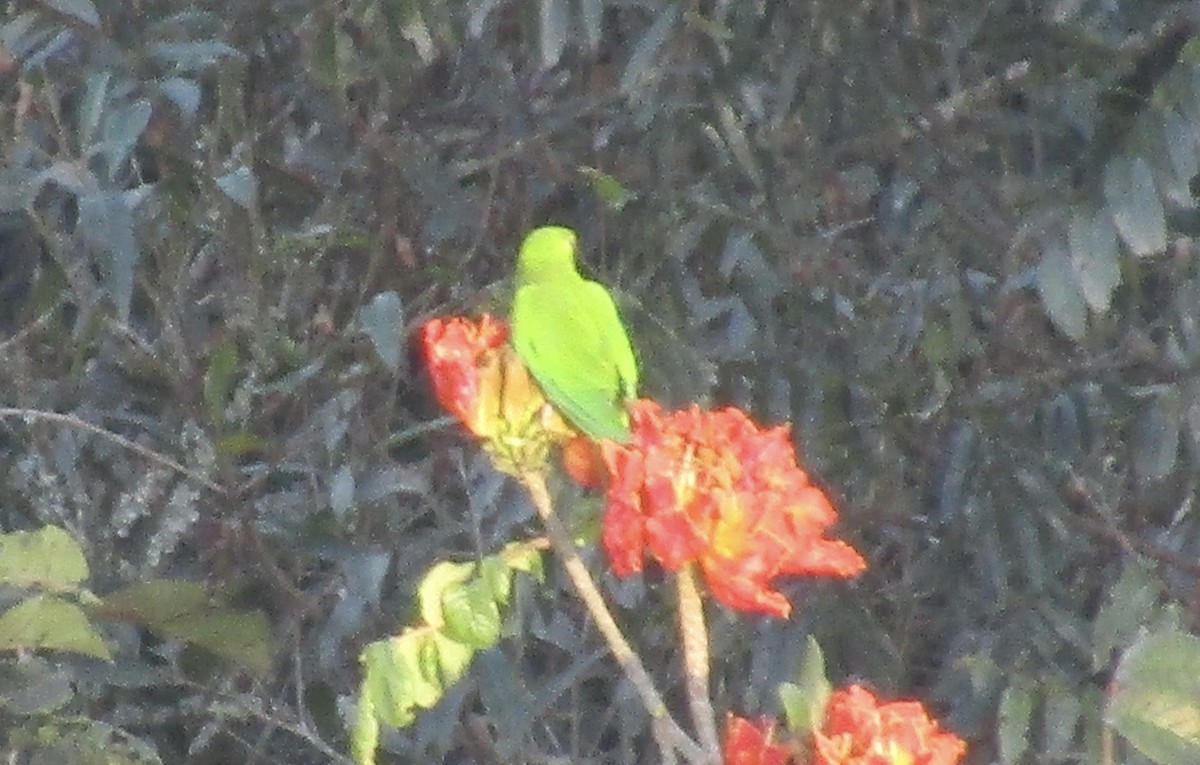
{"points": [[607, 188], [189, 611], [471, 614], [364, 737], [393, 682], [805, 700], [219, 379], [1156, 698], [453, 657], [48, 558], [82, 741], [47, 622], [522, 556], [442, 576]]}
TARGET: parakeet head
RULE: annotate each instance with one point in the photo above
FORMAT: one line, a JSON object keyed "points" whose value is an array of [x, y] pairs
{"points": [[547, 252]]}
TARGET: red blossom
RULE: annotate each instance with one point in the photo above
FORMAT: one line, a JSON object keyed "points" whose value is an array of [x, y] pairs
{"points": [[859, 730], [582, 461], [478, 377], [711, 487], [458, 352], [750, 744]]}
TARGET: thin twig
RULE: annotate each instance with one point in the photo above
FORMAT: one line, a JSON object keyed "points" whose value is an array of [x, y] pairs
{"points": [[285, 722], [73, 421], [939, 116], [1096, 520], [668, 733], [32, 326], [694, 633]]}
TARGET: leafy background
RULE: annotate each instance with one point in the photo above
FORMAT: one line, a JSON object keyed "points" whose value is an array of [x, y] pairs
{"points": [[950, 241]]}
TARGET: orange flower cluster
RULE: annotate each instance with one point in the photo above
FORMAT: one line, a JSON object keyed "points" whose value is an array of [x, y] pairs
{"points": [[712, 488], [693, 486], [859, 730], [750, 744], [479, 379]]}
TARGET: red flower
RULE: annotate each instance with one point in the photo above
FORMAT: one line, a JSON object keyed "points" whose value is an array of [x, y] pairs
{"points": [[712, 488], [582, 461], [458, 352], [747, 744], [479, 379], [859, 730]]}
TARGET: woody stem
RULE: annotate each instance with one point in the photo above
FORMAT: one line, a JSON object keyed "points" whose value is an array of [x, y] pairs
{"points": [[694, 633], [670, 736]]}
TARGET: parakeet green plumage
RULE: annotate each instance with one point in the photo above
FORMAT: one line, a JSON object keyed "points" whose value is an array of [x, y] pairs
{"points": [[567, 331]]}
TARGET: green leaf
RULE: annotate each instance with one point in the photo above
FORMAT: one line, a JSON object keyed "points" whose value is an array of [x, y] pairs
{"points": [[1062, 712], [1058, 286], [393, 680], [47, 622], [453, 657], [364, 736], [552, 25], [325, 61], [82, 741], [442, 576], [495, 570], [805, 700], [240, 185], [607, 188], [1016, 714], [189, 611], [124, 125], [82, 10], [106, 220], [644, 53], [192, 55], [1129, 605], [1181, 146], [383, 322], [522, 556], [219, 379], [240, 443], [35, 685], [1156, 435], [183, 92], [1094, 253], [498, 570], [1133, 202], [401, 675], [1155, 702], [714, 29], [428, 659], [591, 16], [48, 558], [91, 108], [472, 615], [732, 129], [341, 491]]}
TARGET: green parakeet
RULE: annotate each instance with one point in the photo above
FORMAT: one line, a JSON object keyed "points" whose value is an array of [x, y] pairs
{"points": [[567, 331]]}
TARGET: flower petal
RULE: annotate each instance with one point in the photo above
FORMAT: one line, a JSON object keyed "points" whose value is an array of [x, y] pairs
{"points": [[712, 487], [480, 379], [859, 730], [750, 744]]}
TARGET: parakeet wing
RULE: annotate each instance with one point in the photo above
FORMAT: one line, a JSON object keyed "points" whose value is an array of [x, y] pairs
{"points": [[570, 336], [616, 345]]}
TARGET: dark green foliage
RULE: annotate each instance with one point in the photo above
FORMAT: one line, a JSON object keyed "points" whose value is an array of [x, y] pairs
{"points": [[950, 241]]}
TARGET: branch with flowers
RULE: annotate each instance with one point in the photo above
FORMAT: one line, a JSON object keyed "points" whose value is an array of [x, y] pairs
{"points": [[709, 496]]}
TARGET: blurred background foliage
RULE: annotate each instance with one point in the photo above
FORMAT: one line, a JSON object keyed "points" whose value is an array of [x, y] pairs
{"points": [[952, 242]]}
